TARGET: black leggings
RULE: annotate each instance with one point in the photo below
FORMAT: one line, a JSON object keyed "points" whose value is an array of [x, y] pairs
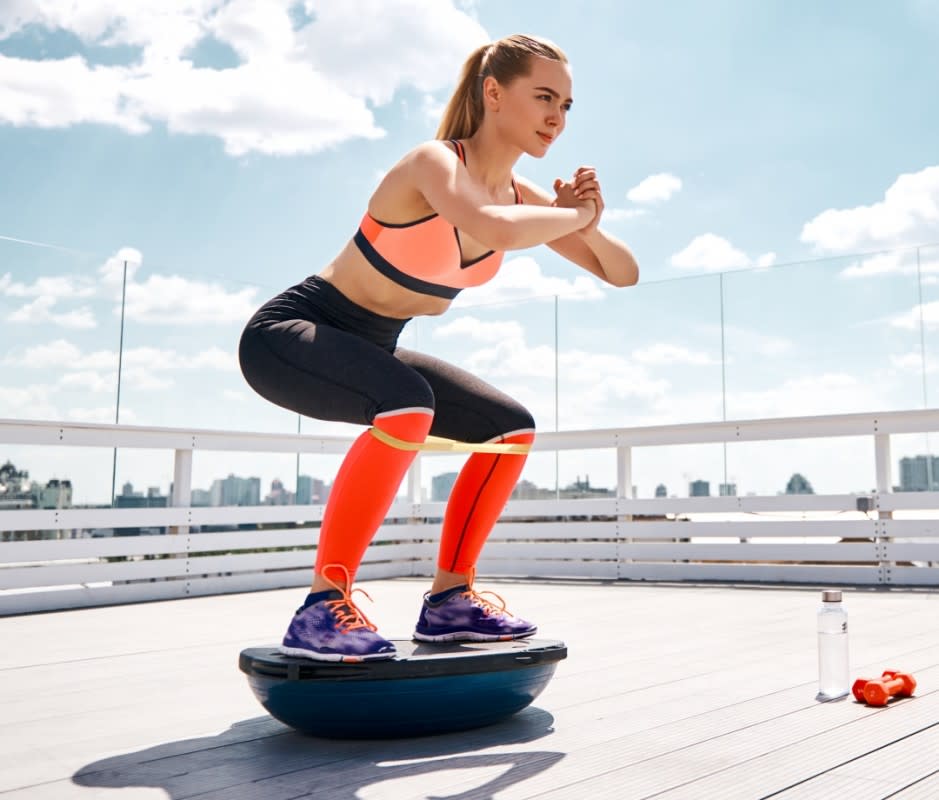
{"points": [[313, 351]]}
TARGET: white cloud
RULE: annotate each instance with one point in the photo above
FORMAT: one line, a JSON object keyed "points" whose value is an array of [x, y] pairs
{"points": [[173, 300], [827, 393], [64, 354], [101, 414], [664, 353], [521, 279], [655, 189], [924, 262], [112, 270], [712, 253], [90, 380], [479, 330], [913, 362], [620, 214], [28, 402], [910, 320], [908, 214], [596, 374], [40, 310], [56, 286], [160, 299], [51, 354], [298, 89], [753, 341]]}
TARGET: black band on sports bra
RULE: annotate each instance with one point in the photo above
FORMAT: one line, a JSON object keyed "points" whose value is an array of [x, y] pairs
{"points": [[388, 269]]}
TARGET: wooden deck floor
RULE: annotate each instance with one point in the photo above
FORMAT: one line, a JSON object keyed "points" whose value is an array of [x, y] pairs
{"points": [[668, 692]]}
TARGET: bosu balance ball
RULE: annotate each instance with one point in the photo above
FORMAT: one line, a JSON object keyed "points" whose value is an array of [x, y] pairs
{"points": [[427, 688]]}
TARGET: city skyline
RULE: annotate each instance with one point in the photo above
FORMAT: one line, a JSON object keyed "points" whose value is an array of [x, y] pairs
{"points": [[917, 473]]}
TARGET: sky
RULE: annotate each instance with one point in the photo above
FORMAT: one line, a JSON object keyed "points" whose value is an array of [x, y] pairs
{"points": [[773, 167]]}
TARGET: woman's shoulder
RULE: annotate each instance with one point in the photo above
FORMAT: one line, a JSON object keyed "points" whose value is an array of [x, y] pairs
{"points": [[434, 150]]}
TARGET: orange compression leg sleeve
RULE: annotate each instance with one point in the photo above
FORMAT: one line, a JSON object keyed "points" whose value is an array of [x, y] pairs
{"points": [[481, 491], [365, 488]]}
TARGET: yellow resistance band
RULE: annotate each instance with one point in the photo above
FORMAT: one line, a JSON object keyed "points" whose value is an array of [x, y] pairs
{"points": [[449, 445]]}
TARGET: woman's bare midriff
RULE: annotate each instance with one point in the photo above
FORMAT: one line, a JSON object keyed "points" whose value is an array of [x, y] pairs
{"points": [[352, 274]]}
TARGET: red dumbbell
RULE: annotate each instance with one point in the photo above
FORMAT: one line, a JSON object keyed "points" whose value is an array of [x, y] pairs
{"points": [[878, 691]]}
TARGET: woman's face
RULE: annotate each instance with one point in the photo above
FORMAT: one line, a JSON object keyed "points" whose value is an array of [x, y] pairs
{"points": [[532, 109]]}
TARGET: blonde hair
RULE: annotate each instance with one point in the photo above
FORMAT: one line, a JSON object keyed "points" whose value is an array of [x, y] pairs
{"points": [[506, 60]]}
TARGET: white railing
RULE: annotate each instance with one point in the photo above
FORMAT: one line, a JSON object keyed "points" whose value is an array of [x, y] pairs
{"points": [[610, 538]]}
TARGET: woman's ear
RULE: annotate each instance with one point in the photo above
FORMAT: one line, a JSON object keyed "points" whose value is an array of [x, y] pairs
{"points": [[492, 93]]}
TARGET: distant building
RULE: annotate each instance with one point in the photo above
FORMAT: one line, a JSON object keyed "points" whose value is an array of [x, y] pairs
{"points": [[441, 486], [55, 494], [699, 489], [727, 489], [311, 491], [128, 498], [661, 491], [526, 490], [582, 488], [919, 474], [799, 485], [279, 496], [234, 491], [17, 491], [200, 498]]}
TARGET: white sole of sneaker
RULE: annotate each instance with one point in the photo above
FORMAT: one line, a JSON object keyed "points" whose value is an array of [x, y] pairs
{"points": [[471, 636], [314, 656]]}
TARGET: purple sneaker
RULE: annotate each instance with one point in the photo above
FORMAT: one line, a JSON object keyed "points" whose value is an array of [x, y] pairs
{"points": [[463, 615], [334, 629]]}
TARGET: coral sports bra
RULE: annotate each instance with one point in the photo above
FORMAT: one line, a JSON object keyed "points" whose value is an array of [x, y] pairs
{"points": [[425, 255]]}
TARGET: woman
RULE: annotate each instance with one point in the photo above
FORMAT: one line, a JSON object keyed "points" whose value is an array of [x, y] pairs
{"points": [[326, 348]]}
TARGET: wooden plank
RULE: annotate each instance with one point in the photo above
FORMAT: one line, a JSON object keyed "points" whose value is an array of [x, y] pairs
{"points": [[88, 596], [88, 547], [897, 501], [911, 551], [878, 774], [924, 789], [762, 573], [573, 551], [913, 576], [677, 551]]}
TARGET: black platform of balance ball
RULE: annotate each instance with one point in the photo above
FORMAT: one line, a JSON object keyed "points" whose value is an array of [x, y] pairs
{"points": [[427, 688]]}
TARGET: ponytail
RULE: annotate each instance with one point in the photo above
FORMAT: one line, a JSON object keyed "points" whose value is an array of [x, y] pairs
{"points": [[464, 113], [506, 60]]}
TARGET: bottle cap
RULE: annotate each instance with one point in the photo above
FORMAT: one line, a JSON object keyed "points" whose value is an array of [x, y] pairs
{"points": [[831, 596]]}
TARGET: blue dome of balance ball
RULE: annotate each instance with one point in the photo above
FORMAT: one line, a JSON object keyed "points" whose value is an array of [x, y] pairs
{"points": [[426, 689]]}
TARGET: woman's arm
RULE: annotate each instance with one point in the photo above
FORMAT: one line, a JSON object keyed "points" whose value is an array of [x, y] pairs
{"points": [[436, 172], [591, 248]]}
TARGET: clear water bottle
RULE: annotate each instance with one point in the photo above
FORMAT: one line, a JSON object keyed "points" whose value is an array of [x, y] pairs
{"points": [[833, 680]]}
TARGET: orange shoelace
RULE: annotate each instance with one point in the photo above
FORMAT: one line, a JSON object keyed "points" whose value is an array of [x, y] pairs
{"points": [[490, 609], [348, 615]]}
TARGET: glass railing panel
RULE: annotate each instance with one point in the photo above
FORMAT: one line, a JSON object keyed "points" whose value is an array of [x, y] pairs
{"points": [[644, 355], [59, 363], [180, 357], [822, 337], [678, 470], [61, 333]]}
